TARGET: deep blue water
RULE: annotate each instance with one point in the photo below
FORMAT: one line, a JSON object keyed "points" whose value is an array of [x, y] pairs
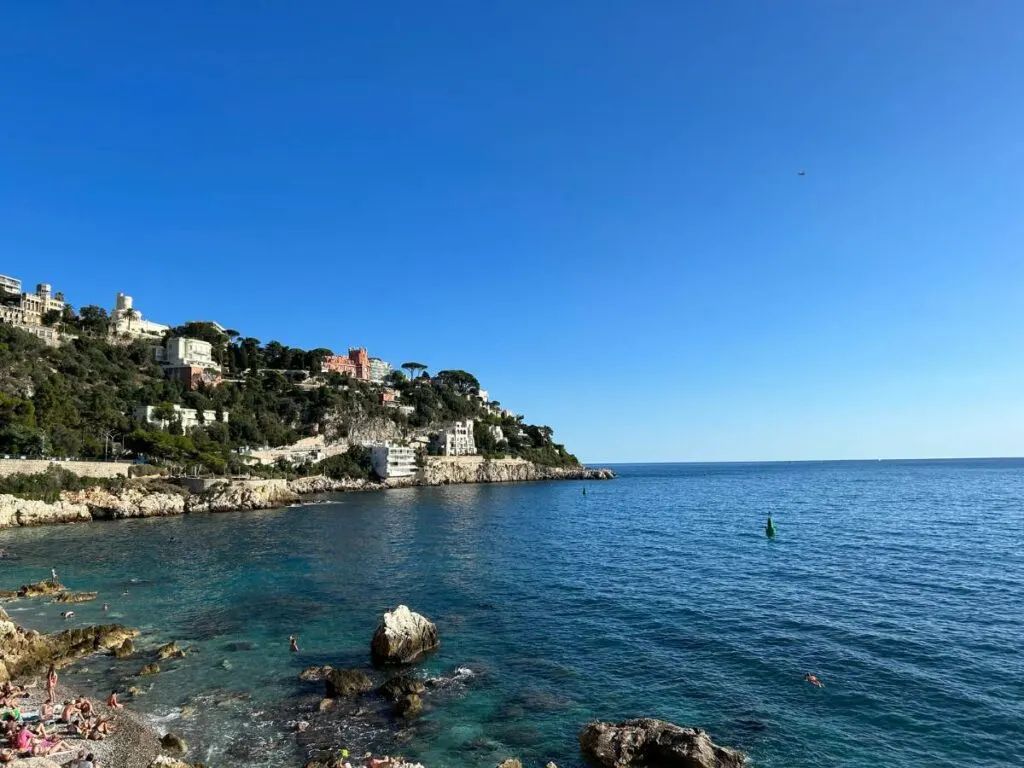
{"points": [[900, 584]]}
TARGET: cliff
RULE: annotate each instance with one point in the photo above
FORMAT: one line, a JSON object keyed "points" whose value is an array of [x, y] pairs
{"points": [[476, 469], [158, 499]]}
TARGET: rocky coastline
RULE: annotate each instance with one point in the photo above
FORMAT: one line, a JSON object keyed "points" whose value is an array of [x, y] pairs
{"points": [[149, 498], [386, 690]]}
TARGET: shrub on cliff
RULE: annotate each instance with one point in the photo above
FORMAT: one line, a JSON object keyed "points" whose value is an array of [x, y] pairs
{"points": [[47, 485]]}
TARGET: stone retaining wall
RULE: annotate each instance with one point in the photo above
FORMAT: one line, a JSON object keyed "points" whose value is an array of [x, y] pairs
{"points": [[105, 469]]}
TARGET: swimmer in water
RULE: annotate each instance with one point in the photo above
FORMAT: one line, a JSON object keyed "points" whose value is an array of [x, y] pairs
{"points": [[293, 644], [68, 615], [106, 607], [813, 680]]}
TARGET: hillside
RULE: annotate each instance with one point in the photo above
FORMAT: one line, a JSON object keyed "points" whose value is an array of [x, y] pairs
{"points": [[78, 400]]}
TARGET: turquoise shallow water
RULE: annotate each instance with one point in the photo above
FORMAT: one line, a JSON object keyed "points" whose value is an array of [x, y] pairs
{"points": [[900, 584]]}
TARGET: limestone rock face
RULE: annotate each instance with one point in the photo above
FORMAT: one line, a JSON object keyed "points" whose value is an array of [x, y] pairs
{"points": [[476, 469], [648, 742], [15, 511], [402, 637], [323, 484], [346, 682], [243, 495], [127, 502]]}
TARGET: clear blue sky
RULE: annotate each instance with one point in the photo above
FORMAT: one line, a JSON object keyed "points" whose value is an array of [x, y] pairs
{"points": [[592, 205]]}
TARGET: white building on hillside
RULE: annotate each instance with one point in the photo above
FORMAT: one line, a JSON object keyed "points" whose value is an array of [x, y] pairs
{"points": [[125, 320], [180, 352], [456, 440], [393, 461], [10, 286], [27, 310], [188, 417]]}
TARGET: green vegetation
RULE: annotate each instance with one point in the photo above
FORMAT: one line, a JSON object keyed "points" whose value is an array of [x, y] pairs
{"points": [[78, 400], [48, 485]]}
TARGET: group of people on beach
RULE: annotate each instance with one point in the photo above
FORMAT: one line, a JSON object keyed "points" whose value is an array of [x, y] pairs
{"points": [[27, 735]]}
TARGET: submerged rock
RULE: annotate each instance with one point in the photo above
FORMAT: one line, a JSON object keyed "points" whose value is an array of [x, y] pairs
{"points": [[126, 649], [149, 669], [315, 674], [402, 637], [75, 597], [510, 763], [648, 742], [172, 742], [346, 682], [400, 686], [169, 651], [409, 705]]}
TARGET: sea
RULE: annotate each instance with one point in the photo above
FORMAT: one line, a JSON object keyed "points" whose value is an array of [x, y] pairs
{"points": [[899, 584]]}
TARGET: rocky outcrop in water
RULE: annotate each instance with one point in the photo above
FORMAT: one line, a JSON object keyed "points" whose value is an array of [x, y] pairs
{"points": [[41, 588], [402, 637], [25, 652], [346, 682], [648, 742]]}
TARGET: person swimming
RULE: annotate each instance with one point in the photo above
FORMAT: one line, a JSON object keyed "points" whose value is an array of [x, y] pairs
{"points": [[293, 644], [813, 680]]}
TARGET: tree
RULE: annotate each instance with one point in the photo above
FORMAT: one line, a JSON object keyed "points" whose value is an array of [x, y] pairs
{"points": [[413, 367], [462, 382], [51, 317], [94, 320], [395, 379]]}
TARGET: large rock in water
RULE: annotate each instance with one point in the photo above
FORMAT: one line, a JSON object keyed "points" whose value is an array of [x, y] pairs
{"points": [[402, 637], [346, 682], [25, 652], [651, 743]]}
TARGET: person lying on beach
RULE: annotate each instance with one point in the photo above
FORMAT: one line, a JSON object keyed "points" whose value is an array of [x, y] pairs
{"points": [[113, 703], [813, 680], [23, 741], [46, 746], [10, 712]]}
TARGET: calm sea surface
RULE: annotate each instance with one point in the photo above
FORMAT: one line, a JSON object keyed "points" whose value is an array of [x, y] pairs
{"points": [[900, 584]]}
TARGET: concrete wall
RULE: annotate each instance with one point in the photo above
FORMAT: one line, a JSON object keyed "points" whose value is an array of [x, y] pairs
{"points": [[80, 468]]}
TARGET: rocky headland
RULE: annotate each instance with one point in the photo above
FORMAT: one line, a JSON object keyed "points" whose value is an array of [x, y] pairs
{"points": [[158, 498]]}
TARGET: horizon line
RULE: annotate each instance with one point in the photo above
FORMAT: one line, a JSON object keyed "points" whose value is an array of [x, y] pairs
{"points": [[810, 461]]}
